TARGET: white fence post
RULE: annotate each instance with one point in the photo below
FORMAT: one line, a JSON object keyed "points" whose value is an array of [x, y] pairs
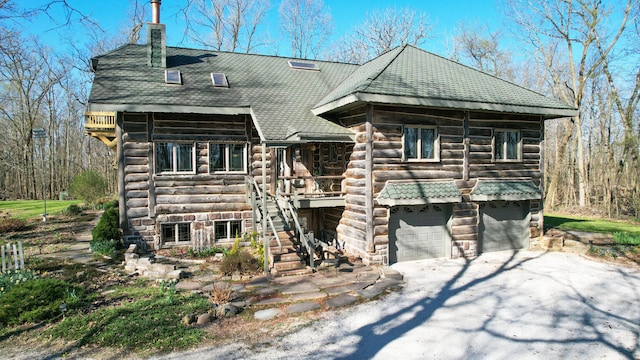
{"points": [[12, 257], [4, 263]]}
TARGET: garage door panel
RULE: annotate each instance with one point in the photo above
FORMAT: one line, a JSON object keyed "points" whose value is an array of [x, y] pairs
{"points": [[504, 226], [419, 232]]}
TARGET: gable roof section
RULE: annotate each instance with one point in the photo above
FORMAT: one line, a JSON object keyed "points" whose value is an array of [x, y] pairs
{"points": [[277, 97], [411, 76]]}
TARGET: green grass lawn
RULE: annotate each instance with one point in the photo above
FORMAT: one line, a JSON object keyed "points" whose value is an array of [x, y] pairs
{"points": [[26, 209], [568, 222]]}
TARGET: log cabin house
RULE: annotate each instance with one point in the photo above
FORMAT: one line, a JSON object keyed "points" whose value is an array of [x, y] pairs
{"points": [[409, 156]]}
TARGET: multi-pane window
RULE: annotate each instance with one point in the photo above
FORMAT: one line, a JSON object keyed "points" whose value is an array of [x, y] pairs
{"points": [[174, 157], [421, 143], [227, 157], [507, 145], [176, 233], [226, 230]]}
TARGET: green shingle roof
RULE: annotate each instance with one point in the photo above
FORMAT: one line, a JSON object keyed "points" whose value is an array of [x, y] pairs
{"points": [[279, 98], [286, 104], [411, 76], [414, 193], [490, 190]]}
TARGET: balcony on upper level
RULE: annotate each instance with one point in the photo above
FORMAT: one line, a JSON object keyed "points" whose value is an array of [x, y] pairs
{"points": [[101, 125]]}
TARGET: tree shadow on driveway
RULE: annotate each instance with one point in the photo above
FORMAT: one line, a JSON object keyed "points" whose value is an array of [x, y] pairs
{"points": [[565, 328]]}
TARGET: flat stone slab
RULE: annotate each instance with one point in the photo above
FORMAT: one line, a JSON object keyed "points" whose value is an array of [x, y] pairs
{"points": [[323, 282], [371, 277], [287, 280], [188, 285], [388, 283], [337, 290], [237, 287], [371, 291], [267, 291], [258, 281], [341, 300], [308, 296], [271, 301], [302, 307], [266, 314], [298, 288], [390, 273]]}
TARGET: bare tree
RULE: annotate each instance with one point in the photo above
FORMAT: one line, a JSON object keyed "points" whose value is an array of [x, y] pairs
{"points": [[568, 30], [476, 45], [307, 24], [229, 25], [381, 31]]}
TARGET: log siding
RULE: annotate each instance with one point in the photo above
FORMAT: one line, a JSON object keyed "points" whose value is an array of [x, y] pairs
{"points": [[466, 151], [200, 198]]}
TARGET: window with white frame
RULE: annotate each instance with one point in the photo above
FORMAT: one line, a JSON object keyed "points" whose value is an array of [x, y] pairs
{"points": [[176, 233], [507, 145], [227, 157], [228, 229], [173, 157], [421, 143]]}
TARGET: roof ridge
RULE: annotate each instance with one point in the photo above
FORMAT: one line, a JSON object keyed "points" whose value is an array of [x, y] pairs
{"points": [[261, 55], [382, 70]]}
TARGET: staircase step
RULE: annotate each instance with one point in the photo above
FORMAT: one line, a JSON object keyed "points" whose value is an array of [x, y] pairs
{"points": [[295, 272], [284, 242], [286, 257], [289, 265]]}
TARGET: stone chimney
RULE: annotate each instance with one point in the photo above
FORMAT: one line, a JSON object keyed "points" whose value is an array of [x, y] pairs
{"points": [[156, 39]]}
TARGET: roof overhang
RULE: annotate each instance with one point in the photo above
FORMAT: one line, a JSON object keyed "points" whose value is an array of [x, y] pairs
{"points": [[158, 108], [346, 101], [397, 193], [508, 190]]}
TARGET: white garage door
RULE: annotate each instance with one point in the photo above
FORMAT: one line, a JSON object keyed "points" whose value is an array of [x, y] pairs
{"points": [[504, 225], [419, 232]]}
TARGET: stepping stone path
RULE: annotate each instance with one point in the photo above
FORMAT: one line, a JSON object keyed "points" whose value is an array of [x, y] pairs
{"points": [[329, 287]]}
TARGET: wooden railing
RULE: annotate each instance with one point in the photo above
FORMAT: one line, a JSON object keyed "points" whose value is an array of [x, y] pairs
{"points": [[322, 186], [265, 212], [103, 120]]}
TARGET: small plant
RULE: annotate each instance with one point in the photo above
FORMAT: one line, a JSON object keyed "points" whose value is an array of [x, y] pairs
{"points": [[12, 224], [168, 289], [256, 245], [108, 227], [221, 293], [235, 248], [241, 261], [12, 278], [104, 247], [626, 239], [72, 210], [205, 252]]}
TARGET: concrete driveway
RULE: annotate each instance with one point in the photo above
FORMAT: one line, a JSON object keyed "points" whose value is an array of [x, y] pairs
{"points": [[505, 305]]}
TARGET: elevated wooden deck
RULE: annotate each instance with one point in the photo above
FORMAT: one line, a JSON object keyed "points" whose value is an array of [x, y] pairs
{"points": [[101, 125]]}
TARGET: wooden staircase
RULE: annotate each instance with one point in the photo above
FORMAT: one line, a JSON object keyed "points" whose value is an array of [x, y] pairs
{"points": [[285, 257], [287, 261]]}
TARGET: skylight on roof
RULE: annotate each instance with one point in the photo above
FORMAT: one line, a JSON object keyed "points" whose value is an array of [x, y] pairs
{"points": [[303, 65], [172, 77], [219, 80]]}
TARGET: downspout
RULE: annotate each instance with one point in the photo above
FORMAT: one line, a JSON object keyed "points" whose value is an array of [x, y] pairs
{"points": [[368, 199], [542, 159], [122, 205], [264, 208]]}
